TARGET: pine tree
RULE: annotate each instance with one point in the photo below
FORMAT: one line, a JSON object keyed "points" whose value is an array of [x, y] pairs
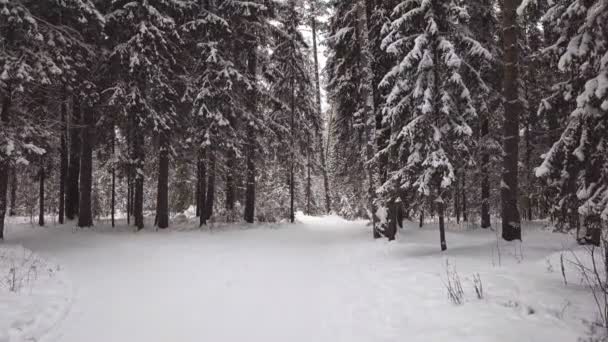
{"points": [[347, 126], [578, 161], [293, 88], [145, 48], [429, 99]]}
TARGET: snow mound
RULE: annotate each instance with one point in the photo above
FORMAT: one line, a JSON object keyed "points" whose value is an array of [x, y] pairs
{"points": [[34, 295]]}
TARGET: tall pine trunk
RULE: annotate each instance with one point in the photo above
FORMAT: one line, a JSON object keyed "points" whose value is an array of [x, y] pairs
{"points": [[511, 222], [230, 182], [113, 174], [4, 164], [202, 184], [72, 186], [13, 193], [138, 189], [251, 141], [292, 156], [463, 191], [197, 192], [210, 196], [313, 26], [457, 198], [308, 177], [41, 176], [485, 174], [367, 95], [85, 212], [440, 213], [162, 194], [63, 160]]}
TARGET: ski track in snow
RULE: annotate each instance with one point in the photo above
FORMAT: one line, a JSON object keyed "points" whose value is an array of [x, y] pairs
{"points": [[324, 279]]}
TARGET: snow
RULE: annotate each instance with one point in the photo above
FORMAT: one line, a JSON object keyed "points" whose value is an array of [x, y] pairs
{"points": [[34, 295], [322, 279]]}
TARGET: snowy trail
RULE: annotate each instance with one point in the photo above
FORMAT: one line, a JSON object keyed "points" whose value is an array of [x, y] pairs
{"points": [[323, 280]]}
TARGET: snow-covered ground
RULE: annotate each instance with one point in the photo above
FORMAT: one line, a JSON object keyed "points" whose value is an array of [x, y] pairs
{"points": [[323, 279]]}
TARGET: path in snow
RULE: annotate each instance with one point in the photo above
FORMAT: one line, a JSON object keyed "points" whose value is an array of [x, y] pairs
{"points": [[324, 280]]}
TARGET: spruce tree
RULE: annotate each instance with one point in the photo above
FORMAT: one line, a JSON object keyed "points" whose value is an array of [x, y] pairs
{"points": [[429, 98]]}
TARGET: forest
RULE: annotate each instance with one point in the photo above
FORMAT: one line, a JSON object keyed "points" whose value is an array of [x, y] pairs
{"points": [[295, 170], [485, 111]]}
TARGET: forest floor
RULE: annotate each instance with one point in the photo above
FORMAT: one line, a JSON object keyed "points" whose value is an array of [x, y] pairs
{"points": [[323, 279]]}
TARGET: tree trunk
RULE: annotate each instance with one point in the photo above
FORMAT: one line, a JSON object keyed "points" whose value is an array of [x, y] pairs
{"points": [[440, 212], [308, 178], [313, 25], [4, 171], [4, 164], [251, 142], [41, 193], [457, 199], [85, 212], [230, 185], [463, 191], [485, 175], [421, 224], [129, 196], [202, 183], [210, 197], [63, 161], [138, 191], [162, 194], [391, 226], [12, 211], [292, 157], [511, 222], [367, 95], [251, 172], [113, 199], [197, 194], [72, 186]]}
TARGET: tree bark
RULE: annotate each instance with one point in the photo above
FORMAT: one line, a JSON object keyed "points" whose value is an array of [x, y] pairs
{"points": [[4, 164], [13, 193], [197, 192], [85, 212], [463, 191], [391, 227], [210, 197], [230, 183], [202, 183], [72, 187], [162, 194], [308, 178], [485, 175], [251, 142], [511, 221], [63, 161], [41, 176], [457, 199], [138, 191], [113, 199], [292, 217], [440, 213]]}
